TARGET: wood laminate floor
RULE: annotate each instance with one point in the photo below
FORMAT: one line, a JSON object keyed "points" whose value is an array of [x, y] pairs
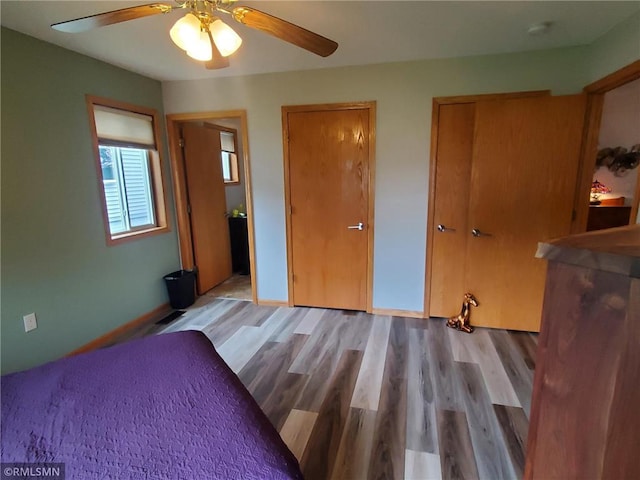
{"points": [[237, 287], [358, 396]]}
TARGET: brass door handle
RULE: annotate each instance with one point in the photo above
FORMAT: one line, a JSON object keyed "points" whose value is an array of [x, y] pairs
{"points": [[359, 226], [443, 229], [477, 233]]}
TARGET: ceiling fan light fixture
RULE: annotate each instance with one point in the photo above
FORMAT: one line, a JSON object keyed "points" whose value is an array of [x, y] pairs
{"points": [[186, 31], [202, 35], [225, 38], [201, 49]]}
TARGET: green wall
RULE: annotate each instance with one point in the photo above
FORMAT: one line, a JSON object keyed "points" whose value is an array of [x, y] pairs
{"points": [[617, 48], [55, 261]]}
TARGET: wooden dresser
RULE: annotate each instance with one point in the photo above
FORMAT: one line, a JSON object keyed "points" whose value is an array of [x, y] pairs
{"points": [[585, 414], [607, 216]]}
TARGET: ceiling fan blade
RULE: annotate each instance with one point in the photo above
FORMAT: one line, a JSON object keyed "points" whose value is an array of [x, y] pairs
{"points": [[108, 18], [217, 60], [284, 30]]}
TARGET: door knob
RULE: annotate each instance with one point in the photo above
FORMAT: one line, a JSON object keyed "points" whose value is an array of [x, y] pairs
{"points": [[359, 226], [443, 229], [477, 233]]}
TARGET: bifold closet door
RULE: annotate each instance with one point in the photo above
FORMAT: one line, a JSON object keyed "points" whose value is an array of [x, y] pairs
{"points": [[451, 232], [525, 164]]}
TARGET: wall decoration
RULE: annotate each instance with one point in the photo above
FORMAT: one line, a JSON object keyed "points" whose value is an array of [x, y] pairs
{"points": [[619, 160]]}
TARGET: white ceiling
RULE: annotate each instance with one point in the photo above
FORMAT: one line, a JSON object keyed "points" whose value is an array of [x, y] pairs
{"points": [[368, 32]]}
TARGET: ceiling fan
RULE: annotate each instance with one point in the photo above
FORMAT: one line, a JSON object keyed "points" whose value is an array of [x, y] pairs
{"points": [[201, 32]]}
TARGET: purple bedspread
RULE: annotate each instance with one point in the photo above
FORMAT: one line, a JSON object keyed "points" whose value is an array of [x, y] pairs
{"points": [[162, 407]]}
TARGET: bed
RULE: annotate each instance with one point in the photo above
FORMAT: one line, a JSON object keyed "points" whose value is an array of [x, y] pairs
{"points": [[161, 407]]}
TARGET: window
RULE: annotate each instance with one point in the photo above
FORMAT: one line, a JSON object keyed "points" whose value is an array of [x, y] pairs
{"points": [[127, 188], [129, 169], [229, 157]]}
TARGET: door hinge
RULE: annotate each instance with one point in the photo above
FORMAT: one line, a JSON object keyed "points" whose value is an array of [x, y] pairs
{"points": [[290, 210], [189, 209], [181, 142]]}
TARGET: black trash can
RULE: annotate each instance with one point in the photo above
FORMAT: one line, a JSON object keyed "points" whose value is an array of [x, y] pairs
{"points": [[181, 286]]}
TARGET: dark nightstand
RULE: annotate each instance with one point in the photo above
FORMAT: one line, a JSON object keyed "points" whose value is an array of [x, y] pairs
{"points": [[606, 216], [239, 245]]}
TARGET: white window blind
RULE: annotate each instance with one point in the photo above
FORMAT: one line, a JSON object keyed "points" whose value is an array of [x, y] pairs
{"points": [[124, 127], [227, 141]]}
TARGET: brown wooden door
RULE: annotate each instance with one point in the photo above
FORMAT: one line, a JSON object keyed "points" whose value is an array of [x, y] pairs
{"points": [[209, 225], [453, 177], [525, 166], [507, 168], [328, 173]]}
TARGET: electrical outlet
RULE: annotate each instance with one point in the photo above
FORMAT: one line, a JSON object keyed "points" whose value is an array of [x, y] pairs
{"points": [[30, 322]]}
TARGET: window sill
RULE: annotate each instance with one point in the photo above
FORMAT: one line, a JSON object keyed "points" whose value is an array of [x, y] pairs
{"points": [[136, 235]]}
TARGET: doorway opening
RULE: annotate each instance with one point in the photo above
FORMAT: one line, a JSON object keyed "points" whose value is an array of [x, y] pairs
{"points": [[614, 198], [606, 115], [212, 187]]}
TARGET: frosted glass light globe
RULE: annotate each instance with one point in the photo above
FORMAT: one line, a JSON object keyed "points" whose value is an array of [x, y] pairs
{"points": [[225, 38], [186, 31], [201, 49]]}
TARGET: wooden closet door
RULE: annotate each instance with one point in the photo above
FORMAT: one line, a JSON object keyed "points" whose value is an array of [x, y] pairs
{"points": [[451, 203], [328, 181], [525, 164]]}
